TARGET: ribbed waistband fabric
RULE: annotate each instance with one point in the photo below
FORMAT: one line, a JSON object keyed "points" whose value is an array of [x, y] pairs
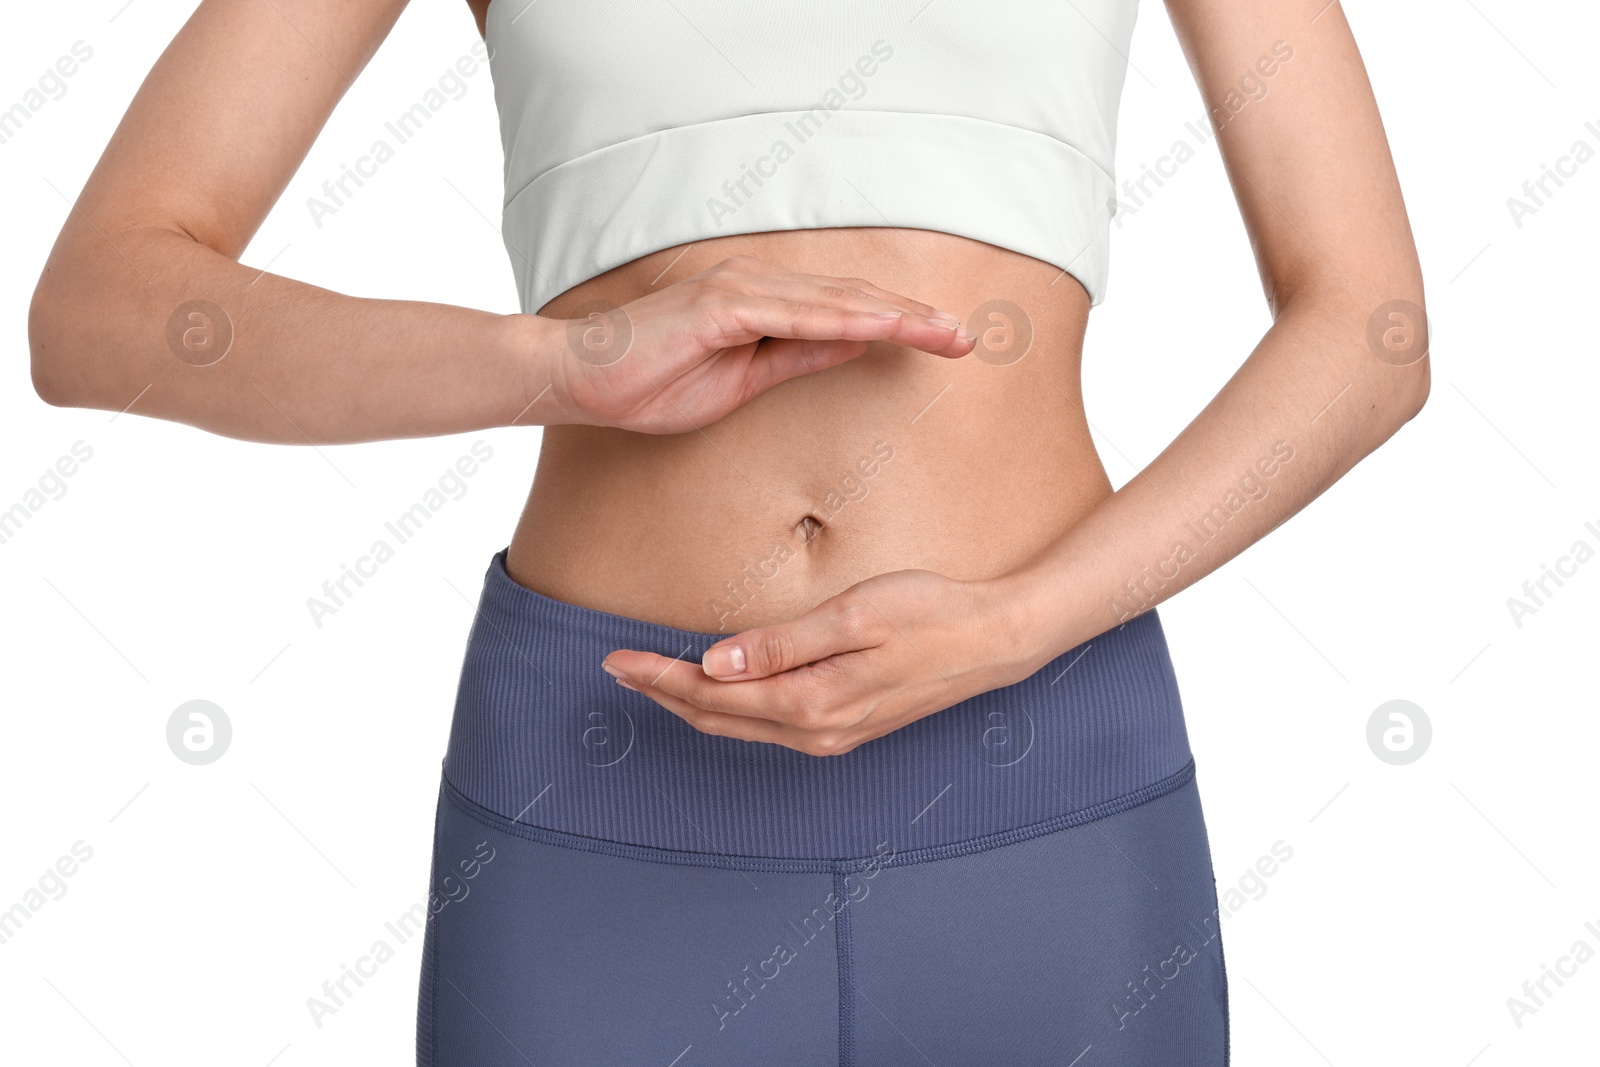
{"points": [[542, 736]]}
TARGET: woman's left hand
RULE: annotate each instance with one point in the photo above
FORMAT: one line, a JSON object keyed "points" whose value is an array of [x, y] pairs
{"points": [[881, 654]]}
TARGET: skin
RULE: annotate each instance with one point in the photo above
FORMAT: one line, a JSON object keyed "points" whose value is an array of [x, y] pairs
{"points": [[758, 382]]}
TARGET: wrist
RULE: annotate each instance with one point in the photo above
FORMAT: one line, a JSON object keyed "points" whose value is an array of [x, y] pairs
{"points": [[533, 346], [1010, 616], [1034, 619]]}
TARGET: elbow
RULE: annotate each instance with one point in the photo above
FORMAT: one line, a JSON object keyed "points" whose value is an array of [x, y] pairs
{"points": [[47, 347], [1385, 347], [52, 387], [62, 345], [1398, 393], [1398, 335], [1379, 325], [1418, 386]]}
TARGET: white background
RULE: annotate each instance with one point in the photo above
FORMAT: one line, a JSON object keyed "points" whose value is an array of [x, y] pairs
{"points": [[177, 566]]}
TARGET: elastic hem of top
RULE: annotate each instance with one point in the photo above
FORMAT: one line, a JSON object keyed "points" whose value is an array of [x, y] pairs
{"points": [[579, 160], [1004, 185], [843, 865]]}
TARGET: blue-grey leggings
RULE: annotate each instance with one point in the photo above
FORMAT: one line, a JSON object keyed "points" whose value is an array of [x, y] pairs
{"points": [[1023, 878]]}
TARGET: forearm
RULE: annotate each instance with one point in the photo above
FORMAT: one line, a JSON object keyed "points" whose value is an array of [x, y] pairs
{"points": [[120, 327], [1310, 402]]}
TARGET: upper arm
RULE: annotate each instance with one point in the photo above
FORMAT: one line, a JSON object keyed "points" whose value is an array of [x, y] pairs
{"points": [[228, 113], [1304, 148]]}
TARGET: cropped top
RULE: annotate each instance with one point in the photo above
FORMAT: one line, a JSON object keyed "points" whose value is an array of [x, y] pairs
{"points": [[630, 127]]}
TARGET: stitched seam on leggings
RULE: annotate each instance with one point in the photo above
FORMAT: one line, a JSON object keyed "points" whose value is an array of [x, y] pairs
{"points": [[653, 854], [1222, 959], [843, 949], [433, 974], [433, 995]]}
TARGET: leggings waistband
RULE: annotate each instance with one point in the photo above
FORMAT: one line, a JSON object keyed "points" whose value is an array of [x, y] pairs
{"points": [[543, 737]]}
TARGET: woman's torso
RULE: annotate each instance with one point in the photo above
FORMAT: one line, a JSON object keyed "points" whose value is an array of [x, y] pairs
{"points": [[898, 459]]}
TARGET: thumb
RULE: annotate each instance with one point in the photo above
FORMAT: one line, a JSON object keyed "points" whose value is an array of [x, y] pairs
{"points": [[780, 358], [768, 650]]}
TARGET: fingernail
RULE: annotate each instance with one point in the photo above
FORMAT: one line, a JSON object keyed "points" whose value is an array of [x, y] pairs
{"points": [[946, 318], [966, 334], [609, 669], [723, 660], [627, 684], [887, 314]]}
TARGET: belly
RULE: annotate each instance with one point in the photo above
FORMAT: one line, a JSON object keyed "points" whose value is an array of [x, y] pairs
{"points": [[897, 459]]}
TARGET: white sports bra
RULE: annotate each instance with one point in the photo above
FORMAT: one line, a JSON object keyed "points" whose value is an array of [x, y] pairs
{"points": [[630, 127]]}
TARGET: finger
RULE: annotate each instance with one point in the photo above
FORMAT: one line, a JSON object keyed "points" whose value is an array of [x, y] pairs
{"points": [[830, 288], [786, 698], [816, 697], [780, 358], [754, 278], [852, 293], [744, 728], [848, 294], [719, 724], [753, 317], [836, 626], [888, 296]]}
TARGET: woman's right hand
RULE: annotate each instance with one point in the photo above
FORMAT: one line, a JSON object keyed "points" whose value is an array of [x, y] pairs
{"points": [[685, 356]]}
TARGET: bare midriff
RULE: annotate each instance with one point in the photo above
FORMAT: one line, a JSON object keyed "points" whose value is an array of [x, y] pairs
{"points": [[897, 459]]}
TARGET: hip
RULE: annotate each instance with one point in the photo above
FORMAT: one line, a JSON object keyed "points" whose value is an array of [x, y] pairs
{"points": [[543, 743]]}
